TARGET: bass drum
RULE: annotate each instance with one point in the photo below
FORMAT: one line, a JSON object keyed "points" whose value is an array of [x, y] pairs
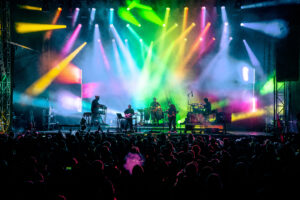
{"points": [[159, 114], [147, 114]]}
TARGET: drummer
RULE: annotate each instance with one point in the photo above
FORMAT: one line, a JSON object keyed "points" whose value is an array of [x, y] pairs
{"points": [[155, 107]]}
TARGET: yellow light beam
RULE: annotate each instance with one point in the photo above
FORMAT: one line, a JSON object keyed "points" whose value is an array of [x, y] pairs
{"points": [[22, 27], [248, 115], [164, 30], [28, 7], [40, 85], [166, 34], [182, 46], [167, 53]]}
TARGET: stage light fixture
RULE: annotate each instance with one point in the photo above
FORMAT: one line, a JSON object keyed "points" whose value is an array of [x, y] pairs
{"points": [[245, 73], [242, 24], [127, 25], [226, 23], [111, 9], [253, 104]]}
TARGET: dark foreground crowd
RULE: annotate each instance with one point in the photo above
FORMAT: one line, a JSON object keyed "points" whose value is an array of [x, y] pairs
{"points": [[91, 166]]}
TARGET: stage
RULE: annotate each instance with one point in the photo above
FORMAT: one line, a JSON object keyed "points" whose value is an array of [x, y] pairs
{"points": [[154, 130]]}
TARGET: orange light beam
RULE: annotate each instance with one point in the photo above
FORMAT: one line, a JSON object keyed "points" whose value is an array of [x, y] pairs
{"points": [[54, 21], [196, 45]]}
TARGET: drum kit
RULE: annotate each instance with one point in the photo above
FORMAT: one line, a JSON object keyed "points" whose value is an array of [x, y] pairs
{"points": [[195, 114]]}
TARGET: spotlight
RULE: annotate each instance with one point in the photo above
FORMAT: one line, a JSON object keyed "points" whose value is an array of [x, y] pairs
{"points": [[93, 8], [113, 40], [77, 9], [141, 40], [226, 23], [59, 8], [222, 7], [128, 8], [203, 8], [98, 40], [230, 38], [242, 24], [185, 39], [111, 9], [126, 40], [96, 25], [201, 39], [140, 25], [245, 71], [127, 25], [214, 38], [193, 24], [163, 25], [167, 8], [176, 24], [79, 25], [111, 25], [185, 8]]}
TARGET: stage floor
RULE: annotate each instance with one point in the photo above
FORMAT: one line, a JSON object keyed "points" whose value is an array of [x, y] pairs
{"points": [[163, 130]]}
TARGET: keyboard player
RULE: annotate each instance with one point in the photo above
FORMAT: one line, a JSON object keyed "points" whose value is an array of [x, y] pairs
{"points": [[95, 111]]}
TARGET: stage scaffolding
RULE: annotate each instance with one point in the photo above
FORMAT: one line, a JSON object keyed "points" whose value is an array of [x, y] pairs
{"points": [[6, 62]]}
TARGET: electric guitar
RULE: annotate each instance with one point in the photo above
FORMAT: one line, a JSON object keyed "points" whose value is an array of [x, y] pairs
{"points": [[128, 115]]}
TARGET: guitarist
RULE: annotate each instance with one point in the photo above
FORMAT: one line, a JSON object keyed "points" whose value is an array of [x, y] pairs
{"points": [[129, 112], [154, 107], [172, 117]]}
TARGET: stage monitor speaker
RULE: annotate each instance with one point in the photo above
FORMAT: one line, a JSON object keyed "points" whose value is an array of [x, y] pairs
{"points": [[287, 59]]}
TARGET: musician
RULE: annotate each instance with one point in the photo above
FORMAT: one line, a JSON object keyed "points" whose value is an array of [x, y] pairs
{"points": [[207, 108], [154, 114], [172, 117], [95, 109], [129, 112]]}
